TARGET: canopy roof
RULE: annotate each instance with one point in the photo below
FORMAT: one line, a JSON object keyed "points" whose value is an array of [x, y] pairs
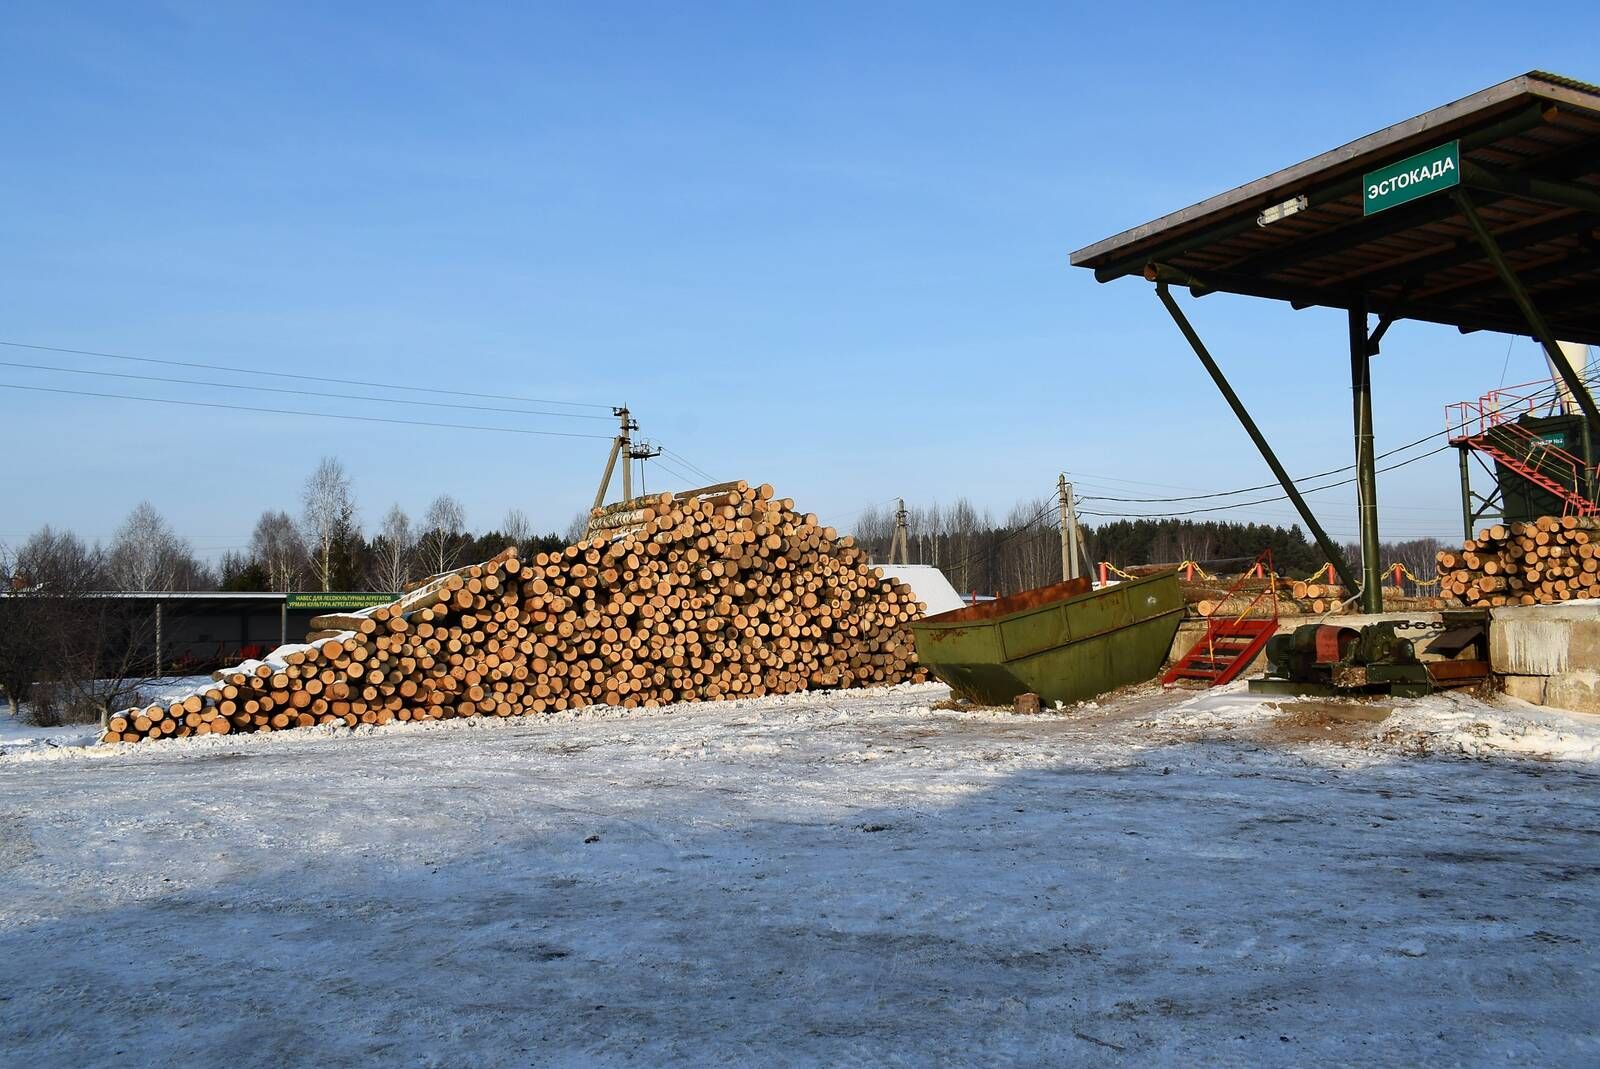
{"points": [[1529, 161]]}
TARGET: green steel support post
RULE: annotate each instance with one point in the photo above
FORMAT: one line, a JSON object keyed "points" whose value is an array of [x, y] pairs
{"points": [[1536, 321], [1366, 465], [1466, 494], [1329, 550]]}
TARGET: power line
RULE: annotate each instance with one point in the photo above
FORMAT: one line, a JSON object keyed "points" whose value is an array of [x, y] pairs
{"points": [[300, 412], [1015, 533], [294, 375], [299, 393], [1552, 389], [1265, 500], [673, 471], [686, 462]]}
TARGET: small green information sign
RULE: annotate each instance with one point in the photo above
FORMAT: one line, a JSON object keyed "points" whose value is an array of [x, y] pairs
{"points": [[337, 600], [1399, 183]]}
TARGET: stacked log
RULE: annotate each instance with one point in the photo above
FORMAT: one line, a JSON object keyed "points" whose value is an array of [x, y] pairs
{"points": [[1548, 560], [723, 593]]}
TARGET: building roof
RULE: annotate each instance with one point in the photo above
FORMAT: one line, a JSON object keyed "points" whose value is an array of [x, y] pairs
{"points": [[1530, 162]]}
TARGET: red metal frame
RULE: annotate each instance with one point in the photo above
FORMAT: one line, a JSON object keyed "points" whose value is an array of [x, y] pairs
{"points": [[1473, 419], [1232, 641], [1470, 422]]}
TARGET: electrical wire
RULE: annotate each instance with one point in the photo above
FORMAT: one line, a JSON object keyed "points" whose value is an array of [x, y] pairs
{"points": [[294, 375], [1552, 389], [686, 462], [1014, 533], [301, 412], [300, 393], [1260, 501], [672, 470]]}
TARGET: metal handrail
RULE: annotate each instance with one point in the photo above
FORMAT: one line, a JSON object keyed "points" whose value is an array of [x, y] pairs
{"points": [[1573, 470], [1505, 404], [1262, 567]]}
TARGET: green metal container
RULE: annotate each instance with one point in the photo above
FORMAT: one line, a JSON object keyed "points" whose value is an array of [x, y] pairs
{"points": [[1065, 642]]}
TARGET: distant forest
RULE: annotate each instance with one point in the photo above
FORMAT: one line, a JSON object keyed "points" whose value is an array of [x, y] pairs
{"points": [[1022, 551]]}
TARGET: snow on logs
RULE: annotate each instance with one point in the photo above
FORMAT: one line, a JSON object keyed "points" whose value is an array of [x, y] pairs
{"points": [[722, 593], [1551, 559]]}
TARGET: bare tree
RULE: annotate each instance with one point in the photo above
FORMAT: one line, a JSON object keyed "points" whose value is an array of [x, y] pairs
{"points": [[277, 546], [441, 538], [146, 555], [1030, 550], [577, 529], [1194, 542], [393, 552], [517, 528], [330, 514], [72, 653], [22, 649]]}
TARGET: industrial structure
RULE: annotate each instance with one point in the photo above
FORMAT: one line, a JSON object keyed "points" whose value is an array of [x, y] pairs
{"points": [[1483, 214]]}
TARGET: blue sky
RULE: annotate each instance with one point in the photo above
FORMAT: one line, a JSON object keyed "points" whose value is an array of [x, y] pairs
{"points": [[822, 246]]}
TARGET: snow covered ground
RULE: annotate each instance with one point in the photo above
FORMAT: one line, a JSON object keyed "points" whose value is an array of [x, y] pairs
{"points": [[840, 879], [17, 735]]}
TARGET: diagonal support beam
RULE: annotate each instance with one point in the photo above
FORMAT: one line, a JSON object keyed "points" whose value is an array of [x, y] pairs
{"points": [[1536, 322], [1386, 320], [1332, 552]]}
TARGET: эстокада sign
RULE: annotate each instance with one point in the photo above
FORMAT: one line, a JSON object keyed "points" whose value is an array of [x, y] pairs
{"points": [[1399, 183]]}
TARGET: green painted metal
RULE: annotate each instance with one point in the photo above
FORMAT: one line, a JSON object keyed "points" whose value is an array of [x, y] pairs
{"points": [[1064, 643], [1536, 322], [1432, 171], [1366, 463], [1162, 276], [336, 600]]}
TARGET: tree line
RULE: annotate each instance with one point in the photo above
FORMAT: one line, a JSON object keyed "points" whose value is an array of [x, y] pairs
{"points": [[1022, 550], [324, 547], [95, 653]]}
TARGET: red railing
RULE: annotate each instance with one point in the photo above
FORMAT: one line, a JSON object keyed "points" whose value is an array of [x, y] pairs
{"points": [[1540, 462], [1473, 419], [1491, 424], [1262, 568]]}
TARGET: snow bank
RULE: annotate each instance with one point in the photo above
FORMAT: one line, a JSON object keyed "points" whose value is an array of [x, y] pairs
{"points": [[1461, 724]]}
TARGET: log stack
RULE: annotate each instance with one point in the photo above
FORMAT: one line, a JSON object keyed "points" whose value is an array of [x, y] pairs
{"points": [[1551, 559], [721, 593]]}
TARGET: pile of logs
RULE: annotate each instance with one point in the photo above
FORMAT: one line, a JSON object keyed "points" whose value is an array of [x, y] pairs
{"points": [[1554, 558], [720, 593]]}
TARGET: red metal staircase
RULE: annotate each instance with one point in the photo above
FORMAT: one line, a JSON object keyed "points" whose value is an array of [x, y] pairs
{"points": [[1233, 638], [1490, 426]]}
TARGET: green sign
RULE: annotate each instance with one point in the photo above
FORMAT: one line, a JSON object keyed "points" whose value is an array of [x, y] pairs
{"points": [[337, 600], [1399, 183]]}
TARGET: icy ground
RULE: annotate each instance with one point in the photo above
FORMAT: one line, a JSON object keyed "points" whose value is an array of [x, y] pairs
{"points": [[17, 735], [838, 879]]}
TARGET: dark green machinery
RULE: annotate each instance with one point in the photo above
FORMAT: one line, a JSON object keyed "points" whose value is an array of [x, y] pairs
{"points": [[1381, 658]]}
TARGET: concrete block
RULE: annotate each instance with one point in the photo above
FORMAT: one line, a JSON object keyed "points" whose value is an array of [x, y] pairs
{"points": [[1575, 691], [1583, 650], [1545, 640], [1526, 688]]}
